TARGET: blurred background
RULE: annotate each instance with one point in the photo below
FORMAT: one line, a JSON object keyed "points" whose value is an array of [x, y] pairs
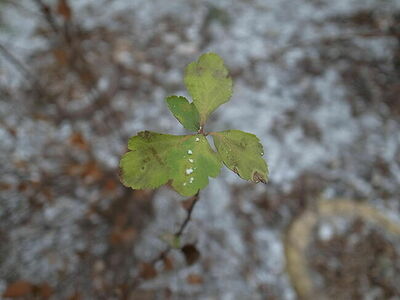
{"points": [[318, 81]]}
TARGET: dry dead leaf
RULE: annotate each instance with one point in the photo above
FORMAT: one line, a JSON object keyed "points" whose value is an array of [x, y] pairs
{"points": [[61, 56], [75, 296], [147, 271], [90, 172], [77, 140], [44, 290], [5, 186], [168, 263], [19, 288], [123, 236], [194, 279], [110, 185], [20, 164], [191, 253], [22, 187], [64, 10]]}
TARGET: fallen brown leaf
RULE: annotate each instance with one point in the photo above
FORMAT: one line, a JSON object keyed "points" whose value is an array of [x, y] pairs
{"points": [[77, 140], [168, 263], [64, 9], [110, 185], [191, 253], [194, 279], [44, 290], [123, 236], [75, 296], [18, 288], [147, 271], [5, 186]]}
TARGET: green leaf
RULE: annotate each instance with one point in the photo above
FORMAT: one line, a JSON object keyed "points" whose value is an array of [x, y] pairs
{"points": [[156, 158], [242, 153], [144, 167], [186, 113], [186, 162], [208, 83], [191, 164]]}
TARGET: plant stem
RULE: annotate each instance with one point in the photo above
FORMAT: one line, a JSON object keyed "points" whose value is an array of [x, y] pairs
{"points": [[45, 10], [195, 199], [163, 254]]}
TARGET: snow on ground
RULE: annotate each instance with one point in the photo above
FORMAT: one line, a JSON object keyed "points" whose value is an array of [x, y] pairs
{"points": [[289, 61]]}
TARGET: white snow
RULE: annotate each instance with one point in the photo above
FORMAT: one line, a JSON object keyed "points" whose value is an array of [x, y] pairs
{"points": [[273, 98]]}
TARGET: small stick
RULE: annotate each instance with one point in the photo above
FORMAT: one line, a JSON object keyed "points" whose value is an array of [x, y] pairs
{"points": [[48, 16], [19, 65]]}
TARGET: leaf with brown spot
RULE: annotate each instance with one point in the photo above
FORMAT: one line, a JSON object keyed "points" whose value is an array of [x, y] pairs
{"points": [[257, 177], [144, 166], [242, 153], [155, 159]]}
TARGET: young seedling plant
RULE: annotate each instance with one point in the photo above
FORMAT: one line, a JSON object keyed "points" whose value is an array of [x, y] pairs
{"points": [[186, 161]]}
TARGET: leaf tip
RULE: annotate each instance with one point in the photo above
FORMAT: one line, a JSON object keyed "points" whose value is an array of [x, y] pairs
{"points": [[258, 177]]}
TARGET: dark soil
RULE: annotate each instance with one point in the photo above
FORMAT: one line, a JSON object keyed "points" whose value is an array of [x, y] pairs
{"points": [[360, 263]]}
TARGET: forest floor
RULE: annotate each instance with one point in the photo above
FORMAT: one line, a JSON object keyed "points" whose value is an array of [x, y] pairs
{"points": [[317, 81]]}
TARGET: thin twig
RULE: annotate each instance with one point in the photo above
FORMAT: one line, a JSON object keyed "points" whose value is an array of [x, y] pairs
{"points": [[163, 254], [22, 7], [325, 40], [189, 215], [45, 9], [19, 65]]}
